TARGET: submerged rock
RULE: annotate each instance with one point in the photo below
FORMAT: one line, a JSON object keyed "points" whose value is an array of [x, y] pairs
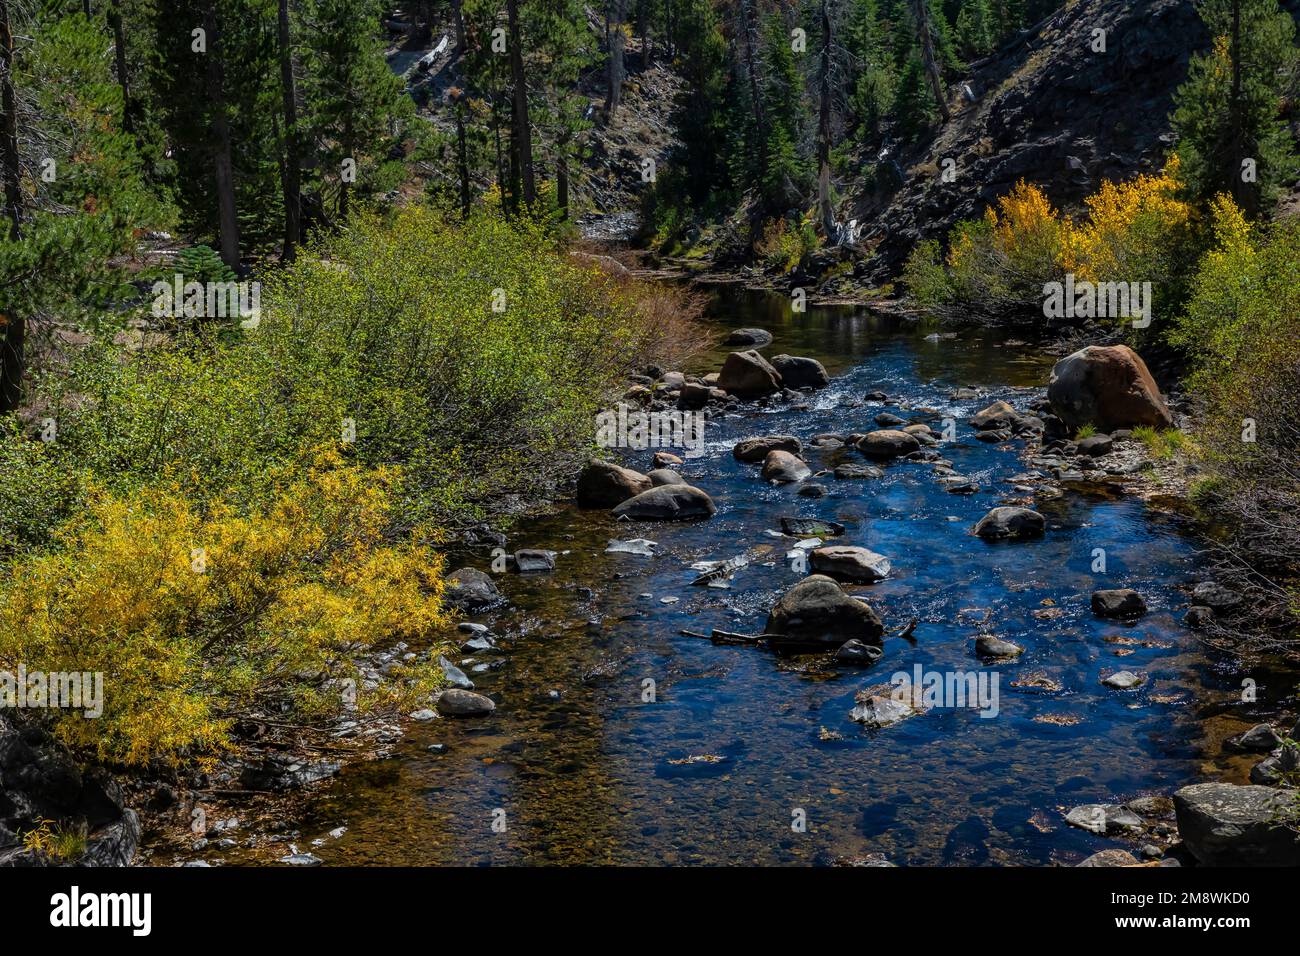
{"points": [[455, 676], [856, 652], [1122, 680], [530, 560], [850, 472], [755, 337], [989, 645]]}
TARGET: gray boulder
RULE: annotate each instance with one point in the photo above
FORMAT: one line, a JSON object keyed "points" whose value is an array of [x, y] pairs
{"points": [[667, 503], [784, 467], [455, 702], [753, 450], [1223, 824], [1120, 602], [817, 611], [603, 484], [799, 372], [1010, 523], [754, 337], [847, 563], [888, 443], [665, 476], [471, 590], [748, 375]]}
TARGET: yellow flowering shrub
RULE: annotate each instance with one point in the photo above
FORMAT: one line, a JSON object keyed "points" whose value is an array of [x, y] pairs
{"points": [[192, 617]]}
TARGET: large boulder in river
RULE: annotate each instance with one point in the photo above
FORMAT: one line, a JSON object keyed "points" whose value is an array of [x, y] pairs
{"points": [[665, 476], [1118, 602], [1224, 824], [667, 503], [756, 449], [456, 702], [748, 375], [848, 563], [1108, 386], [888, 443], [784, 467], [799, 372], [1010, 523], [471, 590], [817, 611], [603, 484]]}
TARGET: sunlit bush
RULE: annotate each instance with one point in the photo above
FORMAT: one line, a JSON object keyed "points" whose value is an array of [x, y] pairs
{"points": [[195, 615]]}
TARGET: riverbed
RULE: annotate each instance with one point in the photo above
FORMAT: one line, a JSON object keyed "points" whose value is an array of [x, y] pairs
{"points": [[584, 762]]}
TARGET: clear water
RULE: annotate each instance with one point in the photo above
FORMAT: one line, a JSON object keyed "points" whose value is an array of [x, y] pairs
{"points": [[586, 772]]}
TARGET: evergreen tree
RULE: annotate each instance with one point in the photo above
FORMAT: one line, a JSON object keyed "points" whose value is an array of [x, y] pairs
{"points": [[1231, 137]]}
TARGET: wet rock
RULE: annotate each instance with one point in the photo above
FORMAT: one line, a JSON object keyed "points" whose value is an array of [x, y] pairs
{"points": [[425, 714], [667, 503], [665, 476], [1094, 446], [1111, 857], [471, 590], [1103, 818], [604, 485], [464, 703], [888, 443], [991, 646], [858, 653], [812, 490], [469, 627], [639, 546], [281, 772], [748, 375], [1223, 824], [301, 859], [994, 436], [666, 459], [1157, 806], [876, 396], [1010, 523], [964, 394], [754, 337], [850, 472], [799, 372], [781, 466], [1119, 602], [1108, 386], [754, 450], [1259, 739], [1216, 597], [811, 526], [531, 560], [455, 676], [999, 415], [817, 611], [960, 487], [1198, 616], [886, 420], [694, 396], [1122, 680], [877, 710], [1280, 768], [848, 563]]}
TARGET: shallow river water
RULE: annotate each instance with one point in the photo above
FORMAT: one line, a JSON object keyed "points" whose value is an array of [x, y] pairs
{"points": [[583, 770]]}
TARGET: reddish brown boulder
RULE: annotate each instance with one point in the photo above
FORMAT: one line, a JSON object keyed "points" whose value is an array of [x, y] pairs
{"points": [[1107, 386]]}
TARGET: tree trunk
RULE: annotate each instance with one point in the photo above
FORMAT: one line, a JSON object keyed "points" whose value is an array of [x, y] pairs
{"points": [[223, 166], [458, 17], [14, 327], [119, 56], [921, 11], [749, 28], [824, 207], [462, 158], [617, 15], [523, 131], [292, 169]]}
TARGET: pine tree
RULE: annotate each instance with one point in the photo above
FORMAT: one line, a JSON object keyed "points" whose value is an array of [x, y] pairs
{"points": [[1231, 137]]}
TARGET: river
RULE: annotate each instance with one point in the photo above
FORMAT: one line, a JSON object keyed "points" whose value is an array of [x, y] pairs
{"points": [[576, 767]]}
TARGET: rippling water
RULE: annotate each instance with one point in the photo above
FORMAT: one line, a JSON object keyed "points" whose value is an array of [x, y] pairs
{"points": [[586, 772]]}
